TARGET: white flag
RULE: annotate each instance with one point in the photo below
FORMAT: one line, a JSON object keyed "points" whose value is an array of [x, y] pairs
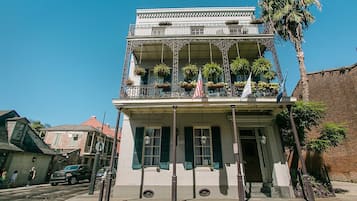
{"points": [[247, 88]]}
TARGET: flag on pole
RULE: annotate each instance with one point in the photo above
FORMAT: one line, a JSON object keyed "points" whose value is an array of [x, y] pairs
{"points": [[247, 88], [281, 89], [199, 87]]}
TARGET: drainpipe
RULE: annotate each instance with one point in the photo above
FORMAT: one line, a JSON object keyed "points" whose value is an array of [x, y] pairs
{"points": [[241, 192]]}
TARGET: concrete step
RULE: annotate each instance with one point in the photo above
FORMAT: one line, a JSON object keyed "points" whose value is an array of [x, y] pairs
{"points": [[260, 190]]}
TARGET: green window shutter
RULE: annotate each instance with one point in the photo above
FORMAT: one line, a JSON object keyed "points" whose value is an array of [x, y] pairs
{"points": [[138, 148], [165, 149], [217, 148], [188, 148]]}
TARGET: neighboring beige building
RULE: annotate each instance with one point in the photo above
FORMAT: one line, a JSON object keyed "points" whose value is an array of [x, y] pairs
{"points": [[21, 149], [68, 138], [337, 89], [205, 147]]}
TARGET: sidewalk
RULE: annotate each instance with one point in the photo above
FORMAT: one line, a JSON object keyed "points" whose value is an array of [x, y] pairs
{"points": [[346, 192]]}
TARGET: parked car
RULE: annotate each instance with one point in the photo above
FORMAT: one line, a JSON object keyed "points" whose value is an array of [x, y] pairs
{"points": [[104, 169], [71, 174]]}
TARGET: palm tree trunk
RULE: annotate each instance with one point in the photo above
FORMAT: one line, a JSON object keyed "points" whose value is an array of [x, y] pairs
{"points": [[304, 80]]}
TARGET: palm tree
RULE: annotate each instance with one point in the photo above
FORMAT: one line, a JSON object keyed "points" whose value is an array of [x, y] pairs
{"points": [[288, 19]]}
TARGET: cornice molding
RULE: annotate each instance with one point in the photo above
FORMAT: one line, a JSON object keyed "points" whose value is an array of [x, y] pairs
{"points": [[195, 12]]}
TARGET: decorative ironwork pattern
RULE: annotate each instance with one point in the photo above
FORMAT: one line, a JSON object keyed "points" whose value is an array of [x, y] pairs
{"points": [[269, 43], [128, 51], [177, 44], [224, 46]]}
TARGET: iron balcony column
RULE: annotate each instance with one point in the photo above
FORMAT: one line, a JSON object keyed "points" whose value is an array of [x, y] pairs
{"points": [[241, 192], [174, 177], [112, 158]]}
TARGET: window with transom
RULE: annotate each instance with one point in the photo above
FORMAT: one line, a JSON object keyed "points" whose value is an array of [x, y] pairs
{"points": [[152, 142], [202, 146]]}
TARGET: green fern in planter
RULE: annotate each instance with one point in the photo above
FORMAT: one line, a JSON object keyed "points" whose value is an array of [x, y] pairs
{"points": [[261, 65], [240, 66], [212, 71], [190, 71], [161, 70]]}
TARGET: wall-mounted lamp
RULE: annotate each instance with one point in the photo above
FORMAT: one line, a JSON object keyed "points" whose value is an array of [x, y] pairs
{"points": [[263, 139], [147, 139], [203, 139]]}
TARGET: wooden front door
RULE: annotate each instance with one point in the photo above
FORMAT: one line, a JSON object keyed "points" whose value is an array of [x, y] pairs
{"points": [[251, 160]]}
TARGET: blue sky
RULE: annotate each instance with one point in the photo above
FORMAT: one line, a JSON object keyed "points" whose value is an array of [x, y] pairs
{"points": [[60, 60]]}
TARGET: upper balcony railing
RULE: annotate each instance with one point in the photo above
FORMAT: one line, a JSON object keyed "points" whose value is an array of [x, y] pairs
{"points": [[195, 29], [219, 90]]}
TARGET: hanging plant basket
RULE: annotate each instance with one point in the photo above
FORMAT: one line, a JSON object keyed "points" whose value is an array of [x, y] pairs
{"points": [[139, 71], [190, 71], [212, 72], [240, 66], [261, 65], [161, 70], [269, 75]]}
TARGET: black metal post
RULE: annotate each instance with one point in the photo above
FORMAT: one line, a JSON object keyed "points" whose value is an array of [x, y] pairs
{"points": [[174, 177], [112, 158], [241, 192], [309, 192], [102, 186], [93, 176]]}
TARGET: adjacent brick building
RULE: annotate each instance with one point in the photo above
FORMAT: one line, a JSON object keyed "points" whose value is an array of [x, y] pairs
{"points": [[337, 89]]}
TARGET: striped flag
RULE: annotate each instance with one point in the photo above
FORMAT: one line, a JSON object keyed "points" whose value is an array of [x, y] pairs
{"points": [[199, 87], [247, 88]]}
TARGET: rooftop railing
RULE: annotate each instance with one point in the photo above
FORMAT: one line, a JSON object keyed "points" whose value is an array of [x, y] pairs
{"points": [[195, 29]]}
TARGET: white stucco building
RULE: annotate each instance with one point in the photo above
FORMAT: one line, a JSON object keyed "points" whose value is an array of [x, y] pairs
{"points": [[206, 128]]}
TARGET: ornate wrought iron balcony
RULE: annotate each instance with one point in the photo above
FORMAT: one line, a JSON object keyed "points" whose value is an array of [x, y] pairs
{"points": [[154, 92]]}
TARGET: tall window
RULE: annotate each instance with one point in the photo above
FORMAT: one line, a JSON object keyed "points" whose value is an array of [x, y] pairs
{"points": [[56, 139], [158, 31], [202, 146], [197, 30], [152, 142], [234, 29]]}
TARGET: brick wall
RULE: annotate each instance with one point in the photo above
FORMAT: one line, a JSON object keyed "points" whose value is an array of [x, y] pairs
{"points": [[338, 90]]}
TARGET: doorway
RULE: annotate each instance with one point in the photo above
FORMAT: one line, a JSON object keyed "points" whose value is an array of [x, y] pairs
{"points": [[251, 161]]}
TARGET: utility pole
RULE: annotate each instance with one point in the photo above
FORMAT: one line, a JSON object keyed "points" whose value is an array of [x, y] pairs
{"points": [[112, 158], [309, 192]]}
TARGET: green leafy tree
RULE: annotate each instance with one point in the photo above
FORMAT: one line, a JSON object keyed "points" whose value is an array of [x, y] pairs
{"points": [[38, 126], [331, 135], [288, 19], [308, 115]]}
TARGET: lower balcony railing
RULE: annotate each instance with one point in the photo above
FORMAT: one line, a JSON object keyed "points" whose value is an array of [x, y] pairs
{"points": [[153, 92]]}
